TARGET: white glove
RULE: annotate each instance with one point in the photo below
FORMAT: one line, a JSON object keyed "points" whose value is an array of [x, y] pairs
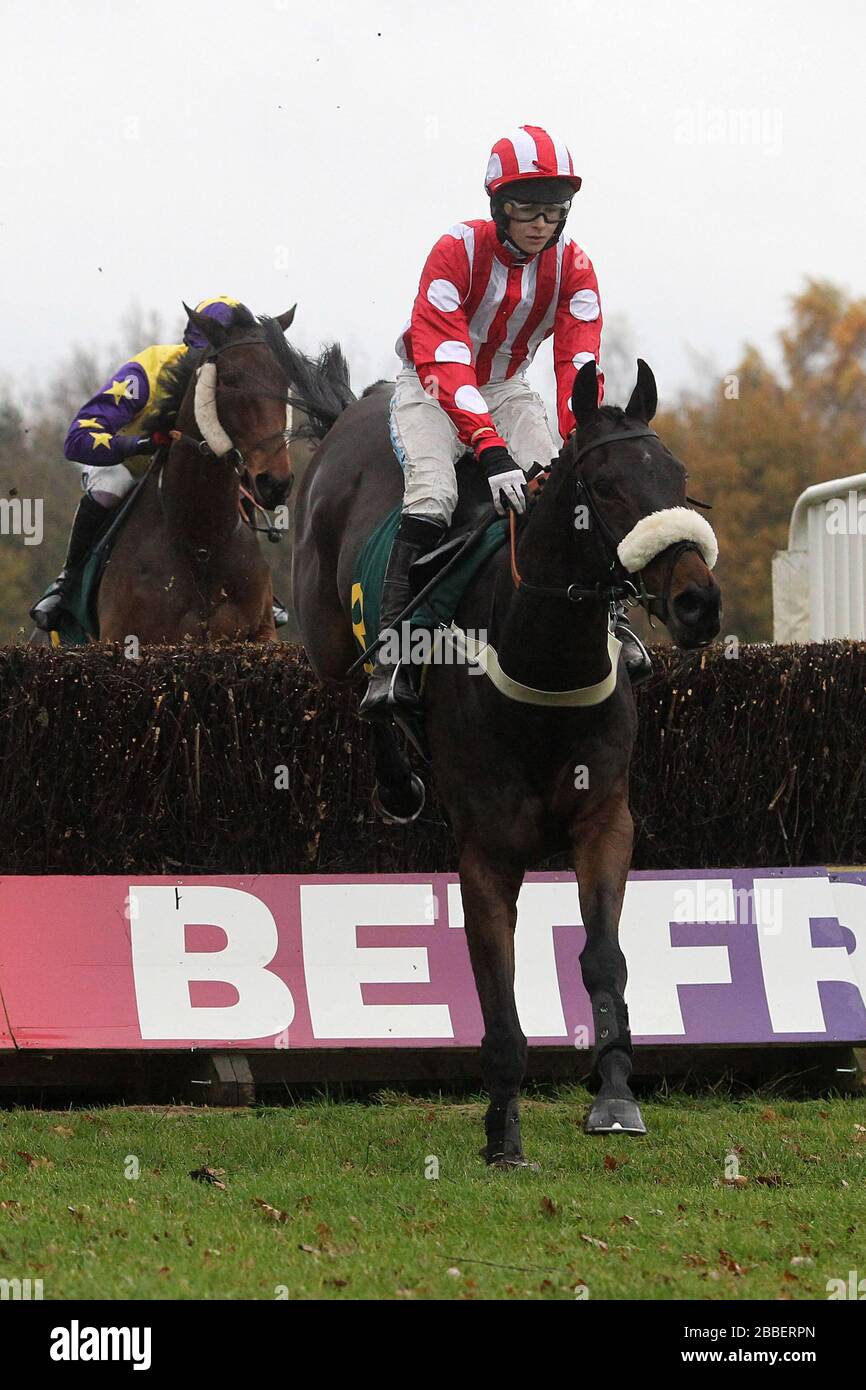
{"points": [[512, 484]]}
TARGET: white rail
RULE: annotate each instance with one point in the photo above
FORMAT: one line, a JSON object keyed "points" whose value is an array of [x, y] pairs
{"points": [[819, 582]]}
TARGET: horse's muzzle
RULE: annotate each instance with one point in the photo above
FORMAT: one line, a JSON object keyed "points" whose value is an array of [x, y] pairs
{"points": [[272, 492], [695, 614]]}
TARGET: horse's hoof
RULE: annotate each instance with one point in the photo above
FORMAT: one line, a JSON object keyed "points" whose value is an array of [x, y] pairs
{"points": [[613, 1116], [397, 814], [501, 1160]]}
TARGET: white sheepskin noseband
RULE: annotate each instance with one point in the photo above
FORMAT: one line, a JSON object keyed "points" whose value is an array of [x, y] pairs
{"points": [[654, 533], [205, 407]]}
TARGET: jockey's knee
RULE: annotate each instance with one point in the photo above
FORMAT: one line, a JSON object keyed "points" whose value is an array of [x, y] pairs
{"points": [[109, 485], [437, 509]]}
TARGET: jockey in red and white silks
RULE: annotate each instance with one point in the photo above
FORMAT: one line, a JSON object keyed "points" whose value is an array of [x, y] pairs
{"points": [[484, 306], [490, 293]]}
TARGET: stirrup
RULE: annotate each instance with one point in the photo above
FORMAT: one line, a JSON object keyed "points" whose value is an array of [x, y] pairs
{"points": [[384, 698], [638, 662]]}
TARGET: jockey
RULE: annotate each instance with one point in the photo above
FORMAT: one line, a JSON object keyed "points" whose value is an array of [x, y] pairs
{"points": [[490, 293], [106, 440]]}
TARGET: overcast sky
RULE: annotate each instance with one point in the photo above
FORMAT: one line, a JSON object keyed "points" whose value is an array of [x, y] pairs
{"points": [[279, 151]]}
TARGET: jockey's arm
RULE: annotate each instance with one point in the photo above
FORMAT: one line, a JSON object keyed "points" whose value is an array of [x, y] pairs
{"points": [[576, 330], [442, 348], [93, 437]]}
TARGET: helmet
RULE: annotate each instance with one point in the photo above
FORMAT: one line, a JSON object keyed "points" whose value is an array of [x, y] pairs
{"points": [[530, 166], [529, 154], [220, 308]]}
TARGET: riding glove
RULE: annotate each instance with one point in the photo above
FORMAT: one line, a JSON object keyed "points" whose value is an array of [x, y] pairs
{"points": [[507, 480]]}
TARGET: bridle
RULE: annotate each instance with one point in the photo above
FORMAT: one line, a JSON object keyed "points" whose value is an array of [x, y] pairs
{"points": [[234, 456], [618, 585]]}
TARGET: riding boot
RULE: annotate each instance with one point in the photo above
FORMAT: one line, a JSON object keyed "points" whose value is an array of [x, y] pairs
{"points": [[90, 523], [391, 687], [634, 653]]}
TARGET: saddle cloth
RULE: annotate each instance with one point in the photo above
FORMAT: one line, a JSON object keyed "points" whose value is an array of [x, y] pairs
{"points": [[441, 603]]}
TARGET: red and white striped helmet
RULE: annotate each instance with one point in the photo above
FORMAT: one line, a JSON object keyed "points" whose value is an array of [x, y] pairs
{"points": [[530, 153]]}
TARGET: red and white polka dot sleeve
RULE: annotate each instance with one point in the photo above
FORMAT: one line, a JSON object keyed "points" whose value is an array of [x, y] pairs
{"points": [[442, 348], [576, 330]]}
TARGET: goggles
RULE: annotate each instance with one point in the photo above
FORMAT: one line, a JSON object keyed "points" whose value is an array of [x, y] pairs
{"points": [[528, 212]]}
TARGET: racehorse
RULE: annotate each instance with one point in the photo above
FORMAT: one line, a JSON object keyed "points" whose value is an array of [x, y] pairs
{"points": [[537, 762], [184, 565]]}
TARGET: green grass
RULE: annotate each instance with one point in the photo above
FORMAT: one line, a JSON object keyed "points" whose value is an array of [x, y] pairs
{"points": [[363, 1221]]}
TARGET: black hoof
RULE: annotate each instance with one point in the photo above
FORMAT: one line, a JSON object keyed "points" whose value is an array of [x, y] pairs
{"points": [[613, 1116], [402, 808], [503, 1160]]}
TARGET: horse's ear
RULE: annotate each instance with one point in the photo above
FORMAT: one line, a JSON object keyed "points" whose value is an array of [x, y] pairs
{"points": [[644, 397], [584, 395], [213, 331], [285, 320]]}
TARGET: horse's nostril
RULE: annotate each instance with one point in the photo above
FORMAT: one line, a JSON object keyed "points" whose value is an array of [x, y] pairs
{"points": [[695, 605]]}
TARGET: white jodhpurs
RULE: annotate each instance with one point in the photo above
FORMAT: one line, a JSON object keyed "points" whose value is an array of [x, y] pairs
{"points": [[427, 444], [108, 484]]}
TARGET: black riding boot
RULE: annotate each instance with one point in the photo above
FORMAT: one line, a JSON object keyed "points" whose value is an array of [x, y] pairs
{"points": [[90, 523], [391, 686], [634, 653]]}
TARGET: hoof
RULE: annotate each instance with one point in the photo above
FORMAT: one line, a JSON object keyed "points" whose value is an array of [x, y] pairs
{"points": [[502, 1160], [400, 813], [613, 1116]]}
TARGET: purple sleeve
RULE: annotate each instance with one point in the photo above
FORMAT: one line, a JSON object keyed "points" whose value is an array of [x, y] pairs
{"points": [[92, 437]]}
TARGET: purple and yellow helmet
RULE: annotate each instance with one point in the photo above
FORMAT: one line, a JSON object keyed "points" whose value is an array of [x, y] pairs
{"points": [[221, 308]]}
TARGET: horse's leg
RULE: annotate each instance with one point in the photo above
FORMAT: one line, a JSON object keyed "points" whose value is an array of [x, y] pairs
{"points": [[602, 856], [489, 889], [398, 795]]}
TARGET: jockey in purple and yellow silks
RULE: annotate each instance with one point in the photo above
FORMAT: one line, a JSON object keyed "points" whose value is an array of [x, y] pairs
{"points": [[105, 439]]}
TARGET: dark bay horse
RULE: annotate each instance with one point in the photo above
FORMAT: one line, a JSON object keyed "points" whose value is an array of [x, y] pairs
{"points": [[185, 565], [523, 779]]}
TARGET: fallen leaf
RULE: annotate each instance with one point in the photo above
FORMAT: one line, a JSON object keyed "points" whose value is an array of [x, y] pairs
{"points": [[730, 1263], [208, 1175], [273, 1212]]}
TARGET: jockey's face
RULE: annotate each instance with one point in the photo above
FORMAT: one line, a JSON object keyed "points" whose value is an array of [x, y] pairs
{"points": [[530, 236]]}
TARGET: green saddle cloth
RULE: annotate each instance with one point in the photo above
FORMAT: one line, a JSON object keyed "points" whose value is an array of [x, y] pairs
{"points": [[440, 604]]}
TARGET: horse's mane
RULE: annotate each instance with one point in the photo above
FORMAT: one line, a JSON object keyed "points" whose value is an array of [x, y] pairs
{"points": [[322, 382]]}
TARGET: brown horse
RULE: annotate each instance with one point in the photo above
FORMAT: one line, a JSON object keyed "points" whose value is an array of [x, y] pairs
{"points": [[184, 564], [535, 761]]}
